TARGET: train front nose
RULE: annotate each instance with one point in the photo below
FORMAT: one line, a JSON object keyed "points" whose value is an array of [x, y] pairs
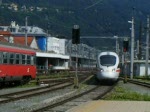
{"points": [[107, 74]]}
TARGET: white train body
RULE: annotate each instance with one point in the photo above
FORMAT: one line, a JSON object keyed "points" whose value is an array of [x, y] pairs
{"points": [[107, 65]]}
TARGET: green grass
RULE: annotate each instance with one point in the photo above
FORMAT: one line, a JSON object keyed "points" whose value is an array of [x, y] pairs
{"points": [[33, 84], [120, 93]]}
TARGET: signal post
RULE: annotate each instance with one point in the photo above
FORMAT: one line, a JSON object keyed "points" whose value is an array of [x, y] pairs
{"points": [[76, 40], [125, 50]]}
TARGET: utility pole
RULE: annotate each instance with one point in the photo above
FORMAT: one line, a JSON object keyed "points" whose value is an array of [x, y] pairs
{"points": [[48, 27], [137, 49], [140, 41], [147, 48], [26, 30], [1, 2], [132, 48]]}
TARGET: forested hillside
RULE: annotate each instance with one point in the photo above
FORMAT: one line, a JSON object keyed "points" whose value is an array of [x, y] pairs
{"points": [[95, 17]]}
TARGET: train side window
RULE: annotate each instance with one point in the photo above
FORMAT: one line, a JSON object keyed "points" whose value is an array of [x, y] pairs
{"points": [[23, 59], [28, 59], [12, 58], [1, 57], [5, 57], [17, 58], [34, 60]]}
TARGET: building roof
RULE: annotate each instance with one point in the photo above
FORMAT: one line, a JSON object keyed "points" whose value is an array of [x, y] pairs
{"points": [[2, 39], [21, 40], [5, 33], [52, 55]]}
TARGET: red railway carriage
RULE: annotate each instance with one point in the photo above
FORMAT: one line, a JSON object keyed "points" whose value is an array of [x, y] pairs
{"points": [[16, 64]]}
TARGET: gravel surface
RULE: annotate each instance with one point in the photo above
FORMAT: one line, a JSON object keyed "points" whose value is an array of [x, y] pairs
{"points": [[79, 101], [25, 105]]}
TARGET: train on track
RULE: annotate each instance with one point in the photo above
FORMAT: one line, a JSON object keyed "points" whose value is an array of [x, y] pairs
{"points": [[108, 66], [16, 64], [19, 64]]}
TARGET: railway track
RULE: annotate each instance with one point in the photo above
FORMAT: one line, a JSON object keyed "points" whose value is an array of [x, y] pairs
{"points": [[74, 99], [25, 99], [134, 81], [5, 98], [139, 83]]}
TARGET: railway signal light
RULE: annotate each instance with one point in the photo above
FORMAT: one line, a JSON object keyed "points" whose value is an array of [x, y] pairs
{"points": [[76, 34], [125, 45]]}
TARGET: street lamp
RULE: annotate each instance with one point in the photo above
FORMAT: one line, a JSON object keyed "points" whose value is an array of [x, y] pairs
{"points": [[147, 48], [26, 30], [117, 45]]}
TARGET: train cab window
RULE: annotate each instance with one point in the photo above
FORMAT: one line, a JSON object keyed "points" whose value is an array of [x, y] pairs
{"points": [[108, 60], [28, 59], [33, 60], [17, 59], [11, 59], [5, 57], [23, 59]]}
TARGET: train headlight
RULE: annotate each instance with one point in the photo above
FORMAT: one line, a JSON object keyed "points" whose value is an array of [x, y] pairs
{"points": [[101, 70], [113, 70]]}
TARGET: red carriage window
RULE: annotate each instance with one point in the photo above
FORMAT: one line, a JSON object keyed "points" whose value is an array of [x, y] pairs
{"points": [[23, 59], [28, 59], [17, 58], [5, 57], [12, 58]]}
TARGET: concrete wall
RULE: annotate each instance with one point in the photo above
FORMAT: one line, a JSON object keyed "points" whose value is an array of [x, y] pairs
{"points": [[53, 44], [62, 43], [138, 69]]}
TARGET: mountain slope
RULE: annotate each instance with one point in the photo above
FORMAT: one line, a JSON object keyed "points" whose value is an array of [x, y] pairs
{"points": [[95, 17]]}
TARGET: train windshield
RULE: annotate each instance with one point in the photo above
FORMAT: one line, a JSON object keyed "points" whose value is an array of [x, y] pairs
{"points": [[107, 60]]}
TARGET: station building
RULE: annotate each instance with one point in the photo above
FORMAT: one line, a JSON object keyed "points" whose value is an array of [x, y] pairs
{"points": [[59, 53]]}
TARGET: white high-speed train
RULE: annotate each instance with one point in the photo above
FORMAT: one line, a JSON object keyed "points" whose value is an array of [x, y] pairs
{"points": [[107, 66]]}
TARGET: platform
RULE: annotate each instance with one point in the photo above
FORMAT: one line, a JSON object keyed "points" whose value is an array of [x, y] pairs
{"points": [[113, 106]]}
